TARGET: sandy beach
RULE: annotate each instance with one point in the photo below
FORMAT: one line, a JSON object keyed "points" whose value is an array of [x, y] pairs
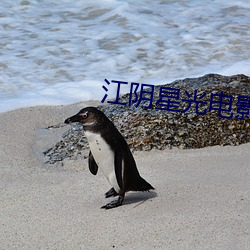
{"points": [[201, 198]]}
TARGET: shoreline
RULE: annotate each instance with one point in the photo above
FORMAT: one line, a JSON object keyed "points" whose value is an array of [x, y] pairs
{"points": [[201, 197]]}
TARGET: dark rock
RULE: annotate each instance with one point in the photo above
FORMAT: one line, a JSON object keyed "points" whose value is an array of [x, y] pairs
{"points": [[145, 129]]}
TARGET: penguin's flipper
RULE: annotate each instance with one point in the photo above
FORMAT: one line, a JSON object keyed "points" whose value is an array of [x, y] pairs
{"points": [[118, 166], [93, 167], [111, 193]]}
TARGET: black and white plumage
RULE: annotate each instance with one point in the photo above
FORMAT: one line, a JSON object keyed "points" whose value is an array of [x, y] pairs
{"points": [[110, 152]]}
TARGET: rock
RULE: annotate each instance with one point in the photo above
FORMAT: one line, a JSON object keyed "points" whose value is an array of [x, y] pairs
{"points": [[145, 129]]}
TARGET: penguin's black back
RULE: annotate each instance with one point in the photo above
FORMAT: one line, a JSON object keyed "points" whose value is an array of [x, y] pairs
{"points": [[131, 178]]}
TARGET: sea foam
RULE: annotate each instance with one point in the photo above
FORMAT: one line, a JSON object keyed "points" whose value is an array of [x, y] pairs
{"points": [[55, 53]]}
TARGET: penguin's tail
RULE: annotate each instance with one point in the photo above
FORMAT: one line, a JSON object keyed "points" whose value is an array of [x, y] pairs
{"points": [[141, 185]]}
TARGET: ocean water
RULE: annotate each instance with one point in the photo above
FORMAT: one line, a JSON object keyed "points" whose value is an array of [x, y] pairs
{"points": [[60, 52]]}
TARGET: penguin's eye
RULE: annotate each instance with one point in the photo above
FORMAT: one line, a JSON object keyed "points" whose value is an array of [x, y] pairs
{"points": [[84, 115]]}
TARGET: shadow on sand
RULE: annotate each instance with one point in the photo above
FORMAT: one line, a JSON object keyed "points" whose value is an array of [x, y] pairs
{"points": [[138, 198]]}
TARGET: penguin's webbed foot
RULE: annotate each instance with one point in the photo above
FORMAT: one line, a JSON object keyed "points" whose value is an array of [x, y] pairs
{"points": [[113, 204], [111, 193]]}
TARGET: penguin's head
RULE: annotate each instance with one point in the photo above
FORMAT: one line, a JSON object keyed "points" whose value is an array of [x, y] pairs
{"points": [[88, 117]]}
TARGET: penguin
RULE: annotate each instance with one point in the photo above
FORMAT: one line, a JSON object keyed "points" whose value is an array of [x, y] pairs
{"points": [[110, 152]]}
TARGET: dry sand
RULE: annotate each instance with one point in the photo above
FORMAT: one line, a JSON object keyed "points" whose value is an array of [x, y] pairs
{"points": [[201, 201]]}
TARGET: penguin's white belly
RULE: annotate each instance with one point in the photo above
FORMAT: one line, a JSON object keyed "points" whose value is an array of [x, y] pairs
{"points": [[104, 157]]}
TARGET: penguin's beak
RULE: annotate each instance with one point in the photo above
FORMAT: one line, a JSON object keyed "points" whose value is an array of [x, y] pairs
{"points": [[74, 118]]}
